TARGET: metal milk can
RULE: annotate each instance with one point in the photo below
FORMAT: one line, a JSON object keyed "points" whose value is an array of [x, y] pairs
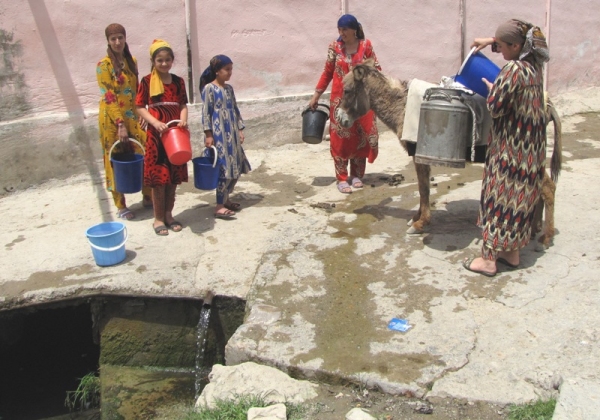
{"points": [[444, 128]]}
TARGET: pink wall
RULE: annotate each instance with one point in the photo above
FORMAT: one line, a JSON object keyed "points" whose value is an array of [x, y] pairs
{"points": [[278, 47], [49, 94]]}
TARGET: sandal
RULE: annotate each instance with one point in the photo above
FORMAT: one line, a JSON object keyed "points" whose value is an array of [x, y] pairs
{"points": [[344, 187], [225, 213], [175, 226], [467, 264], [232, 206], [161, 230], [357, 183], [125, 214]]}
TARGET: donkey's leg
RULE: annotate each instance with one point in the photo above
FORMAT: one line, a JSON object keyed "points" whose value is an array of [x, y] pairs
{"points": [[423, 216], [537, 222], [548, 196]]}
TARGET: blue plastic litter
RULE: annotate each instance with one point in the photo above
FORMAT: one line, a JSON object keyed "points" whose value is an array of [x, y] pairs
{"points": [[397, 324]]}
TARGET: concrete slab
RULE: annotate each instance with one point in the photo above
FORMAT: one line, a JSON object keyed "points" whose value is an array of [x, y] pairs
{"points": [[579, 400], [323, 273]]}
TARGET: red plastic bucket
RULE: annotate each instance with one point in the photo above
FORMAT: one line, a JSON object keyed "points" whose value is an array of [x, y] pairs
{"points": [[476, 66], [177, 144]]}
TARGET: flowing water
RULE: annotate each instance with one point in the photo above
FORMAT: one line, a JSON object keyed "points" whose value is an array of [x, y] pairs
{"points": [[201, 370]]}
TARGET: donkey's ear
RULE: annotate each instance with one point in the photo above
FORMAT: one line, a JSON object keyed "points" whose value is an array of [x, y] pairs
{"points": [[359, 72], [369, 62]]}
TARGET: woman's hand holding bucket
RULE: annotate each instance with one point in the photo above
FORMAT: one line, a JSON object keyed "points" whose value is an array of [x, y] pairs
{"points": [[209, 141], [122, 133], [159, 125], [487, 83], [480, 43]]}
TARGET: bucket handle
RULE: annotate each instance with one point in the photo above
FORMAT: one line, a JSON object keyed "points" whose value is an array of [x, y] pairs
{"points": [[431, 94], [119, 141], [317, 109], [173, 121], [215, 153], [112, 248]]}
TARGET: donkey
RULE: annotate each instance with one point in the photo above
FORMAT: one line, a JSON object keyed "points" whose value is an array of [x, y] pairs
{"points": [[365, 88]]}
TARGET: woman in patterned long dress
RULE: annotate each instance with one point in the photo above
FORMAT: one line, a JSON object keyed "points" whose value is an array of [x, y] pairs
{"points": [[358, 143], [223, 127], [161, 98], [117, 76], [516, 153]]}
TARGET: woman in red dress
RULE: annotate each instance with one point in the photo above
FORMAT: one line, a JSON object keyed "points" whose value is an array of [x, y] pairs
{"points": [[358, 143], [161, 98]]}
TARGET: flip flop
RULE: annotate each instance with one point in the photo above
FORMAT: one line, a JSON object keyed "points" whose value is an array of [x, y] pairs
{"points": [[344, 187], [357, 183], [175, 224], [125, 214], [233, 206], [161, 228], [506, 263], [467, 264]]}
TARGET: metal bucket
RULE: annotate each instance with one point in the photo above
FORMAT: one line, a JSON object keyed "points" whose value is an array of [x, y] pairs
{"points": [[444, 128]]}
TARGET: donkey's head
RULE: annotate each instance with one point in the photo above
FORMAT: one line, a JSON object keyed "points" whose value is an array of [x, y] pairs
{"points": [[355, 101]]}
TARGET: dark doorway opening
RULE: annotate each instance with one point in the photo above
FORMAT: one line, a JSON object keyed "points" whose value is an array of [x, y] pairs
{"points": [[44, 351]]}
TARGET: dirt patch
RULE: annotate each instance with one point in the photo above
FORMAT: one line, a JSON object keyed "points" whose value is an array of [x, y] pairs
{"points": [[334, 402]]}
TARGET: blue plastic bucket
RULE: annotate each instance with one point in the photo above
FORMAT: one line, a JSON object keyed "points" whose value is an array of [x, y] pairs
{"points": [[128, 169], [206, 171], [108, 242], [475, 67]]}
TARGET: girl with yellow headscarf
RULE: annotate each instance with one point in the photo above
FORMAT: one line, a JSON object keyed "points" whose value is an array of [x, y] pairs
{"points": [[161, 98]]}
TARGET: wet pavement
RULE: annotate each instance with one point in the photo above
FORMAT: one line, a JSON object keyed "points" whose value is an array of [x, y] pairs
{"points": [[323, 273]]}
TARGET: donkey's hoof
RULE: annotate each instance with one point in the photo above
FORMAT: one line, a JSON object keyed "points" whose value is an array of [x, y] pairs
{"points": [[413, 231], [540, 247], [410, 222]]}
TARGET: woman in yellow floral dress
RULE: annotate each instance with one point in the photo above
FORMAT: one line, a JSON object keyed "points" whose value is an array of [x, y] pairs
{"points": [[117, 76]]}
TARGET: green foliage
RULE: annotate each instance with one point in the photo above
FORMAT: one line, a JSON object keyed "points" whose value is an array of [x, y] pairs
{"points": [[539, 410], [237, 409], [87, 394]]}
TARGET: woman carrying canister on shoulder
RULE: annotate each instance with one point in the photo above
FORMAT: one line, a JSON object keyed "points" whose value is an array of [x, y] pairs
{"points": [[117, 76], [161, 98], [358, 143], [516, 153], [223, 127]]}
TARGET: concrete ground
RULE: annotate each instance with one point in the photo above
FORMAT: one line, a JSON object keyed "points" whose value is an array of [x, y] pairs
{"points": [[324, 273]]}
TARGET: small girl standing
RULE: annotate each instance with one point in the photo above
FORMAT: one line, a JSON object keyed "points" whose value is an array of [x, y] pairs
{"points": [[161, 97], [223, 125]]}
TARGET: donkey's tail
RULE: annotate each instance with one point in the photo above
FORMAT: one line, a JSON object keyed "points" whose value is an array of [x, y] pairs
{"points": [[556, 160]]}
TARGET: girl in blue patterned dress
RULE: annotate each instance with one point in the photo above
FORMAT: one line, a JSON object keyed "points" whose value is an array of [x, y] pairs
{"points": [[223, 128]]}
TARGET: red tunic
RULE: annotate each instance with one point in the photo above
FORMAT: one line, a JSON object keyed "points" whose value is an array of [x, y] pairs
{"points": [[166, 107], [362, 138]]}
